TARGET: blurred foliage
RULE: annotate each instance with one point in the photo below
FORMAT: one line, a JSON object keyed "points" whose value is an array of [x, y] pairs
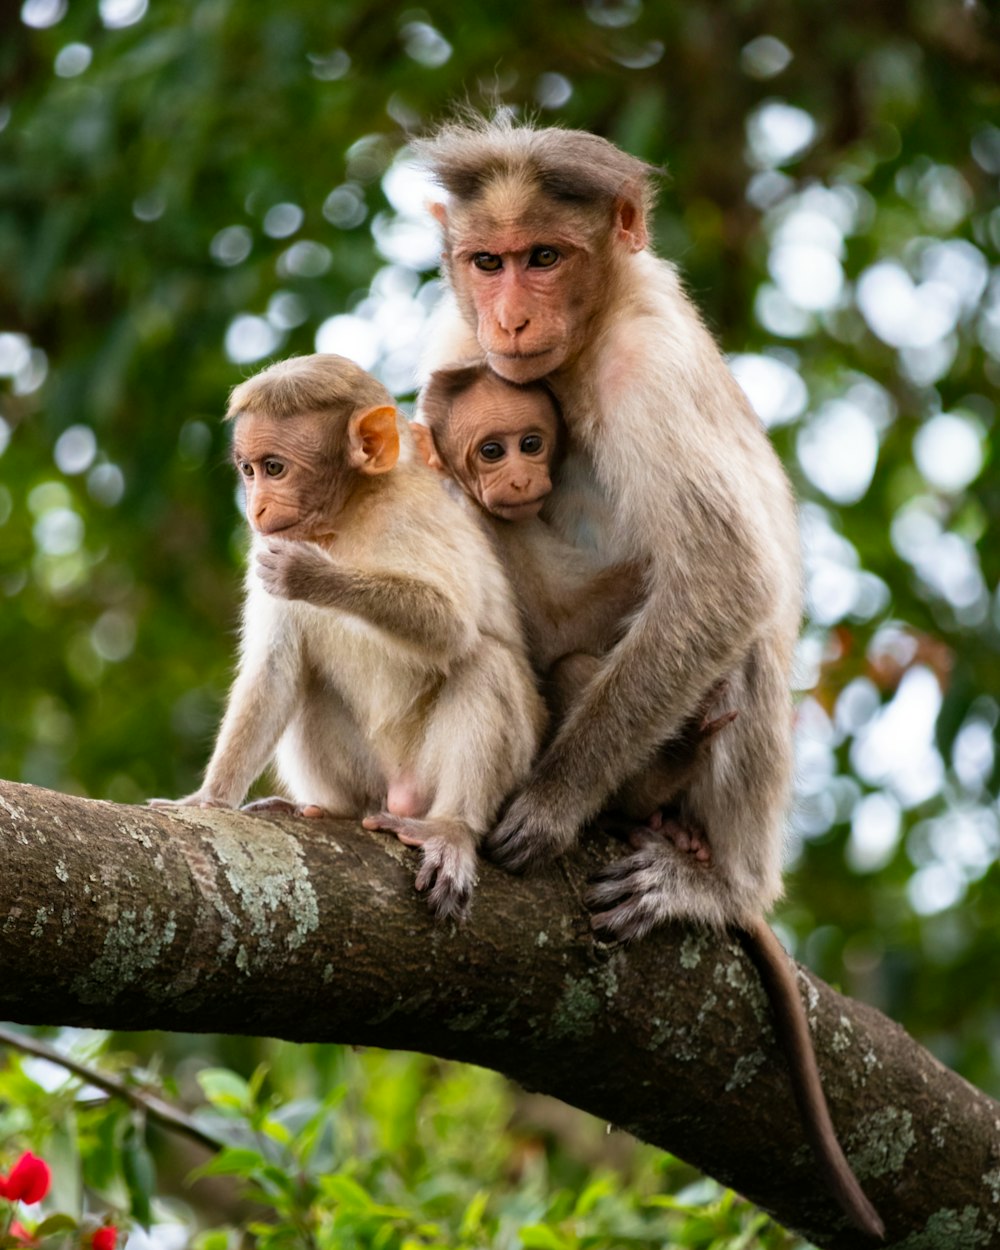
{"points": [[351, 1151], [186, 188]]}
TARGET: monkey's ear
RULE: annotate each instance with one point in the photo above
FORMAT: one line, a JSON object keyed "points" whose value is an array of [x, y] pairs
{"points": [[424, 439], [373, 440], [631, 224], [439, 212]]}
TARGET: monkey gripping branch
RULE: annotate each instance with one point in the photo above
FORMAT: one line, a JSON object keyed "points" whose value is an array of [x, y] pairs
{"points": [[129, 918]]}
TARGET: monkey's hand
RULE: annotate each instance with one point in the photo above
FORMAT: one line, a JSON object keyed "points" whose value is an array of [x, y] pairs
{"points": [[297, 570], [447, 872], [536, 826], [200, 798]]}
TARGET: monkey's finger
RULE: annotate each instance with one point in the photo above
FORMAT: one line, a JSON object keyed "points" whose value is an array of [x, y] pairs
{"points": [[625, 923], [383, 821], [192, 801], [641, 837], [449, 897], [629, 865], [271, 806], [509, 845]]}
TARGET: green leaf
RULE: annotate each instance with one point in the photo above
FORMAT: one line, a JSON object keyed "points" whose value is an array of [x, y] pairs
{"points": [[600, 1187], [347, 1192], [276, 1131], [214, 1239], [542, 1237], [234, 1161], [472, 1220], [223, 1088], [56, 1224], [140, 1176]]}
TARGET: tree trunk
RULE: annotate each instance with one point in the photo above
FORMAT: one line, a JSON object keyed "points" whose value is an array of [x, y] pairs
{"points": [[129, 918]]}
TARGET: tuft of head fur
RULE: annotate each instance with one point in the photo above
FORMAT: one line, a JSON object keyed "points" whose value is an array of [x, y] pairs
{"points": [[322, 382], [444, 386], [569, 166]]}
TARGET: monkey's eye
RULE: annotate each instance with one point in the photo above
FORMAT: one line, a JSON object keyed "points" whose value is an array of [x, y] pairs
{"points": [[487, 262], [531, 444], [543, 257], [246, 468], [273, 468], [492, 451]]}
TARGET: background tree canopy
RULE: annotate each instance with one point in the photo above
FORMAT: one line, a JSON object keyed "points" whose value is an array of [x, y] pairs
{"points": [[188, 189]]}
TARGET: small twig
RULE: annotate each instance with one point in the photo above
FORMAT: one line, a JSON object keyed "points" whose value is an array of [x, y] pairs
{"points": [[162, 1112]]}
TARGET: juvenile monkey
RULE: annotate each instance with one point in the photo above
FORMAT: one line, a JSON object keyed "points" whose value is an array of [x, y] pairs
{"points": [[382, 664], [500, 443], [550, 273]]}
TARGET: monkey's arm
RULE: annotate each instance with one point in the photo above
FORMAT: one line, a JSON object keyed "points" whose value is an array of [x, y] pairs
{"points": [[568, 603], [690, 630], [260, 704], [587, 619], [413, 609]]}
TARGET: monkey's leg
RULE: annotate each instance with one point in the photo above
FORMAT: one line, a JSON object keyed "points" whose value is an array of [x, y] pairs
{"points": [[324, 763], [644, 797], [479, 739], [738, 794]]}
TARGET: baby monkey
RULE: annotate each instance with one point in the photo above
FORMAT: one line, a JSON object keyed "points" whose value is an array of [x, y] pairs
{"points": [[382, 663], [501, 442]]}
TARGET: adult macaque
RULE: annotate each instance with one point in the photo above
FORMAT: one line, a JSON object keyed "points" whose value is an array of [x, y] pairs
{"points": [[500, 443], [546, 254], [382, 663]]}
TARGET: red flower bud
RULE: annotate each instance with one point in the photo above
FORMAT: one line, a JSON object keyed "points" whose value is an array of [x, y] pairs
{"points": [[28, 1181], [105, 1238]]}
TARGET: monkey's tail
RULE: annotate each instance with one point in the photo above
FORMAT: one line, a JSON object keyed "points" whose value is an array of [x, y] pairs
{"points": [[775, 970]]}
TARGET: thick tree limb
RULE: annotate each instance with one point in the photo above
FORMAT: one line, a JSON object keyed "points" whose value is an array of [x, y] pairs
{"points": [[128, 918]]}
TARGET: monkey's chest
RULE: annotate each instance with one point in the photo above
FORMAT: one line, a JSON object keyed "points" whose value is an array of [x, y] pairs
{"points": [[579, 511], [383, 683]]}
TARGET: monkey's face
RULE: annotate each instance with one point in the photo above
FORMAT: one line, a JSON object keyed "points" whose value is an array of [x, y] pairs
{"points": [[289, 483], [529, 283], [506, 441]]}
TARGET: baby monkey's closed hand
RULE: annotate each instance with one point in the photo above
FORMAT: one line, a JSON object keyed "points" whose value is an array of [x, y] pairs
{"points": [[296, 570]]}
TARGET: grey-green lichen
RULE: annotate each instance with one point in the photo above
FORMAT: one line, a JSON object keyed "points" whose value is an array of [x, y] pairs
{"points": [[953, 1230], [133, 945], [881, 1141], [992, 1182], [739, 976], [266, 875], [692, 948], [575, 1014], [842, 1037], [14, 811], [745, 1070]]}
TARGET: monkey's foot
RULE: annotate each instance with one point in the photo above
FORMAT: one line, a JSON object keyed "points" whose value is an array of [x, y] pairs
{"points": [[530, 830], [685, 836], [192, 800], [633, 895], [275, 806], [447, 872]]}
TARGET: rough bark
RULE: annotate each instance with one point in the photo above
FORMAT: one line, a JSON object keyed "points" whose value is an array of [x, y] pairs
{"points": [[128, 918]]}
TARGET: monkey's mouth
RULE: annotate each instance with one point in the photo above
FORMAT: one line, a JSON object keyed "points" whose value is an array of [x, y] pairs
{"points": [[278, 527], [521, 508]]}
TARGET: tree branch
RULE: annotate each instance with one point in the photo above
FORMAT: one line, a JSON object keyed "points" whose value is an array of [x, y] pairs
{"points": [[128, 918], [154, 1108]]}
